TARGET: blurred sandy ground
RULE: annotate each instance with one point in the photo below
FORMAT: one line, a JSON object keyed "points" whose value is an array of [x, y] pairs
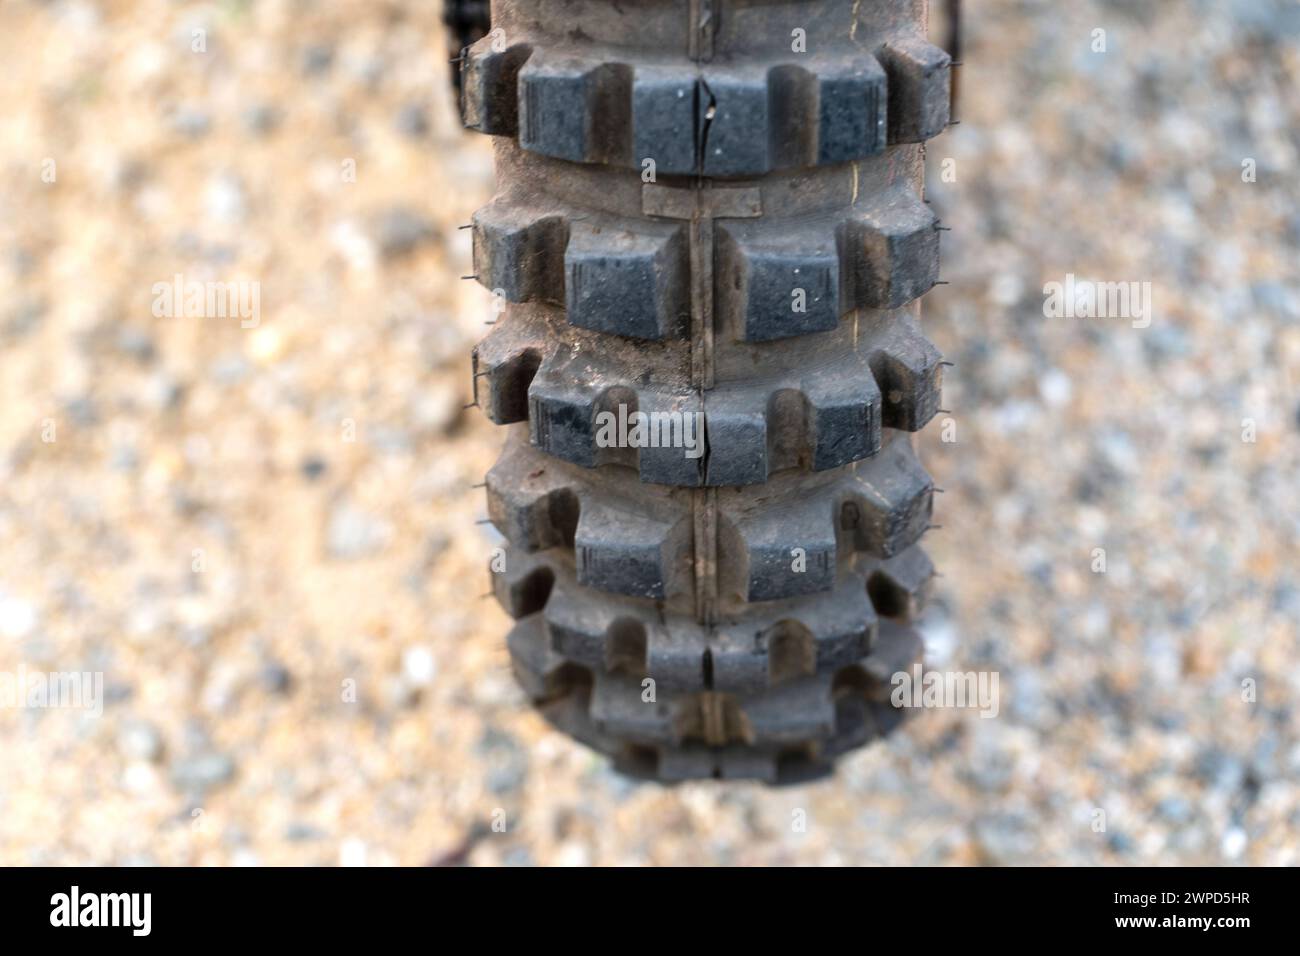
{"points": [[225, 739]]}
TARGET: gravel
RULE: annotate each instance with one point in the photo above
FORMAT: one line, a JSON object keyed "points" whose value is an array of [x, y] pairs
{"points": [[271, 533]]}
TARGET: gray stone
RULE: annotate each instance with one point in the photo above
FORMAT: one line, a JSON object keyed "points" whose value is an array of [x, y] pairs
{"points": [[139, 740], [202, 772], [399, 231]]}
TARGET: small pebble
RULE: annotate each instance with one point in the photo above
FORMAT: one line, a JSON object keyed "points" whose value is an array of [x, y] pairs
{"points": [[201, 773], [317, 59], [313, 467], [275, 678], [413, 121], [353, 852], [352, 533], [261, 119], [399, 231], [225, 200], [419, 666], [303, 832], [138, 740], [191, 122], [17, 617], [1234, 843]]}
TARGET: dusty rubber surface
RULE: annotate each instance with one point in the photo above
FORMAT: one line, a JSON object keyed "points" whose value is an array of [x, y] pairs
{"points": [[709, 213]]}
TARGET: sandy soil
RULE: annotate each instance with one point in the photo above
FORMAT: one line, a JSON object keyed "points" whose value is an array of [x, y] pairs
{"points": [[264, 533]]}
